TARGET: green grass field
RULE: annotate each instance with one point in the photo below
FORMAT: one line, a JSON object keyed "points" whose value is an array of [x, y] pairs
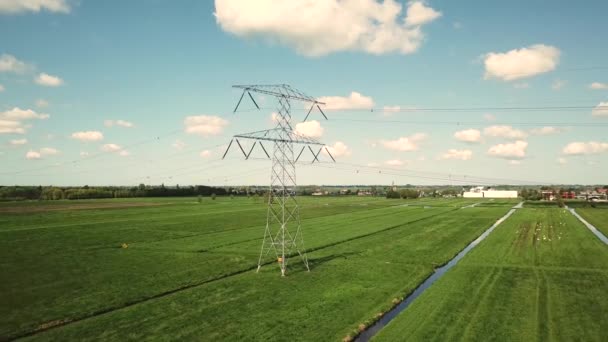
{"points": [[598, 217], [189, 269], [539, 276]]}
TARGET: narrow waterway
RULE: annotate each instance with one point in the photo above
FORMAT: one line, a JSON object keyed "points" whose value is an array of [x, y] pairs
{"points": [[589, 226], [372, 330]]}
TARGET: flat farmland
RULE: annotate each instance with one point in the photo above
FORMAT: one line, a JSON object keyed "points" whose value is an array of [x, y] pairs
{"points": [[188, 271], [540, 276], [598, 217]]}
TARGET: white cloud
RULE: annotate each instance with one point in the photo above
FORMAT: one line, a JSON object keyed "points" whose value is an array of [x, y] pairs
{"points": [[468, 135], [582, 148], [389, 110], [600, 110], [506, 132], [404, 144], [457, 154], [9, 63], [16, 142], [394, 162], [179, 145], [88, 136], [315, 28], [205, 154], [45, 151], [32, 155], [47, 80], [339, 149], [18, 114], [42, 103], [562, 161], [311, 129], [204, 125], [111, 148], [1, 88], [124, 153], [419, 14], [21, 6], [354, 101], [9, 126], [48, 151], [523, 85], [558, 84], [598, 85], [11, 120], [373, 164], [514, 162], [121, 123], [521, 63], [547, 130], [516, 150]]}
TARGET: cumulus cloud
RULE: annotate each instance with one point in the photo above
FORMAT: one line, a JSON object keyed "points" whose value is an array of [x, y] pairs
{"points": [[311, 129], [17, 142], [405, 144], [598, 85], [124, 153], [315, 28], [600, 110], [48, 151], [45, 151], [583, 148], [468, 135], [547, 130], [394, 162], [88, 136], [18, 114], [121, 123], [506, 132], [10, 63], [521, 63], [11, 121], [339, 149], [562, 161], [47, 80], [457, 154], [204, 125], [354, 101], [512, 151], [32, 155], [111, 148], [21, 6], [205, 154]]}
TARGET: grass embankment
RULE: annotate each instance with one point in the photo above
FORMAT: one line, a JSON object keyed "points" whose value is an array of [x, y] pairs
{"points": [[539, 276], [598, 217], [179, 277]]}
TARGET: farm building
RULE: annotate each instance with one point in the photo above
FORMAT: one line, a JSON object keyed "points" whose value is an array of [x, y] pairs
{"points": [[481, 192]]}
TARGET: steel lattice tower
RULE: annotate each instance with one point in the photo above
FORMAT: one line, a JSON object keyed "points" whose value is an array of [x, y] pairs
{"points": [[283, 233]]}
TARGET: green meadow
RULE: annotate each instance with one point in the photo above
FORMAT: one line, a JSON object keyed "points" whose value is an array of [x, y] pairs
{"points": [[178, 269], [540, 276]]}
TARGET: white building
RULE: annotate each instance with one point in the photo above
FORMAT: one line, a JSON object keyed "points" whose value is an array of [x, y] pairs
{"points": [[482, 192]]}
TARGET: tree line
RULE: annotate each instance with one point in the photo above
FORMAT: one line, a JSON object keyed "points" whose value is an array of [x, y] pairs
{"points": [[86, 192]]}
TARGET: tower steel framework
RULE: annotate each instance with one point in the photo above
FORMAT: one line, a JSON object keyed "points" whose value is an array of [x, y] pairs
{"points": [[283, 233]]}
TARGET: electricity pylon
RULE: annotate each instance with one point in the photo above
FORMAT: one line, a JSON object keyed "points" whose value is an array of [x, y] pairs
{"points": [[283, 234]]}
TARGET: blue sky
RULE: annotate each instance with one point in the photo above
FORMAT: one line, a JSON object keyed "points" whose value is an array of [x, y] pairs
{"points": [[99, 92]]}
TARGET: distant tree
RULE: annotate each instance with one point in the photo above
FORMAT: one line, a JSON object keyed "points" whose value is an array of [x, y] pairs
{"points": [[141, 186], [213, 196], [392, 194]]}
